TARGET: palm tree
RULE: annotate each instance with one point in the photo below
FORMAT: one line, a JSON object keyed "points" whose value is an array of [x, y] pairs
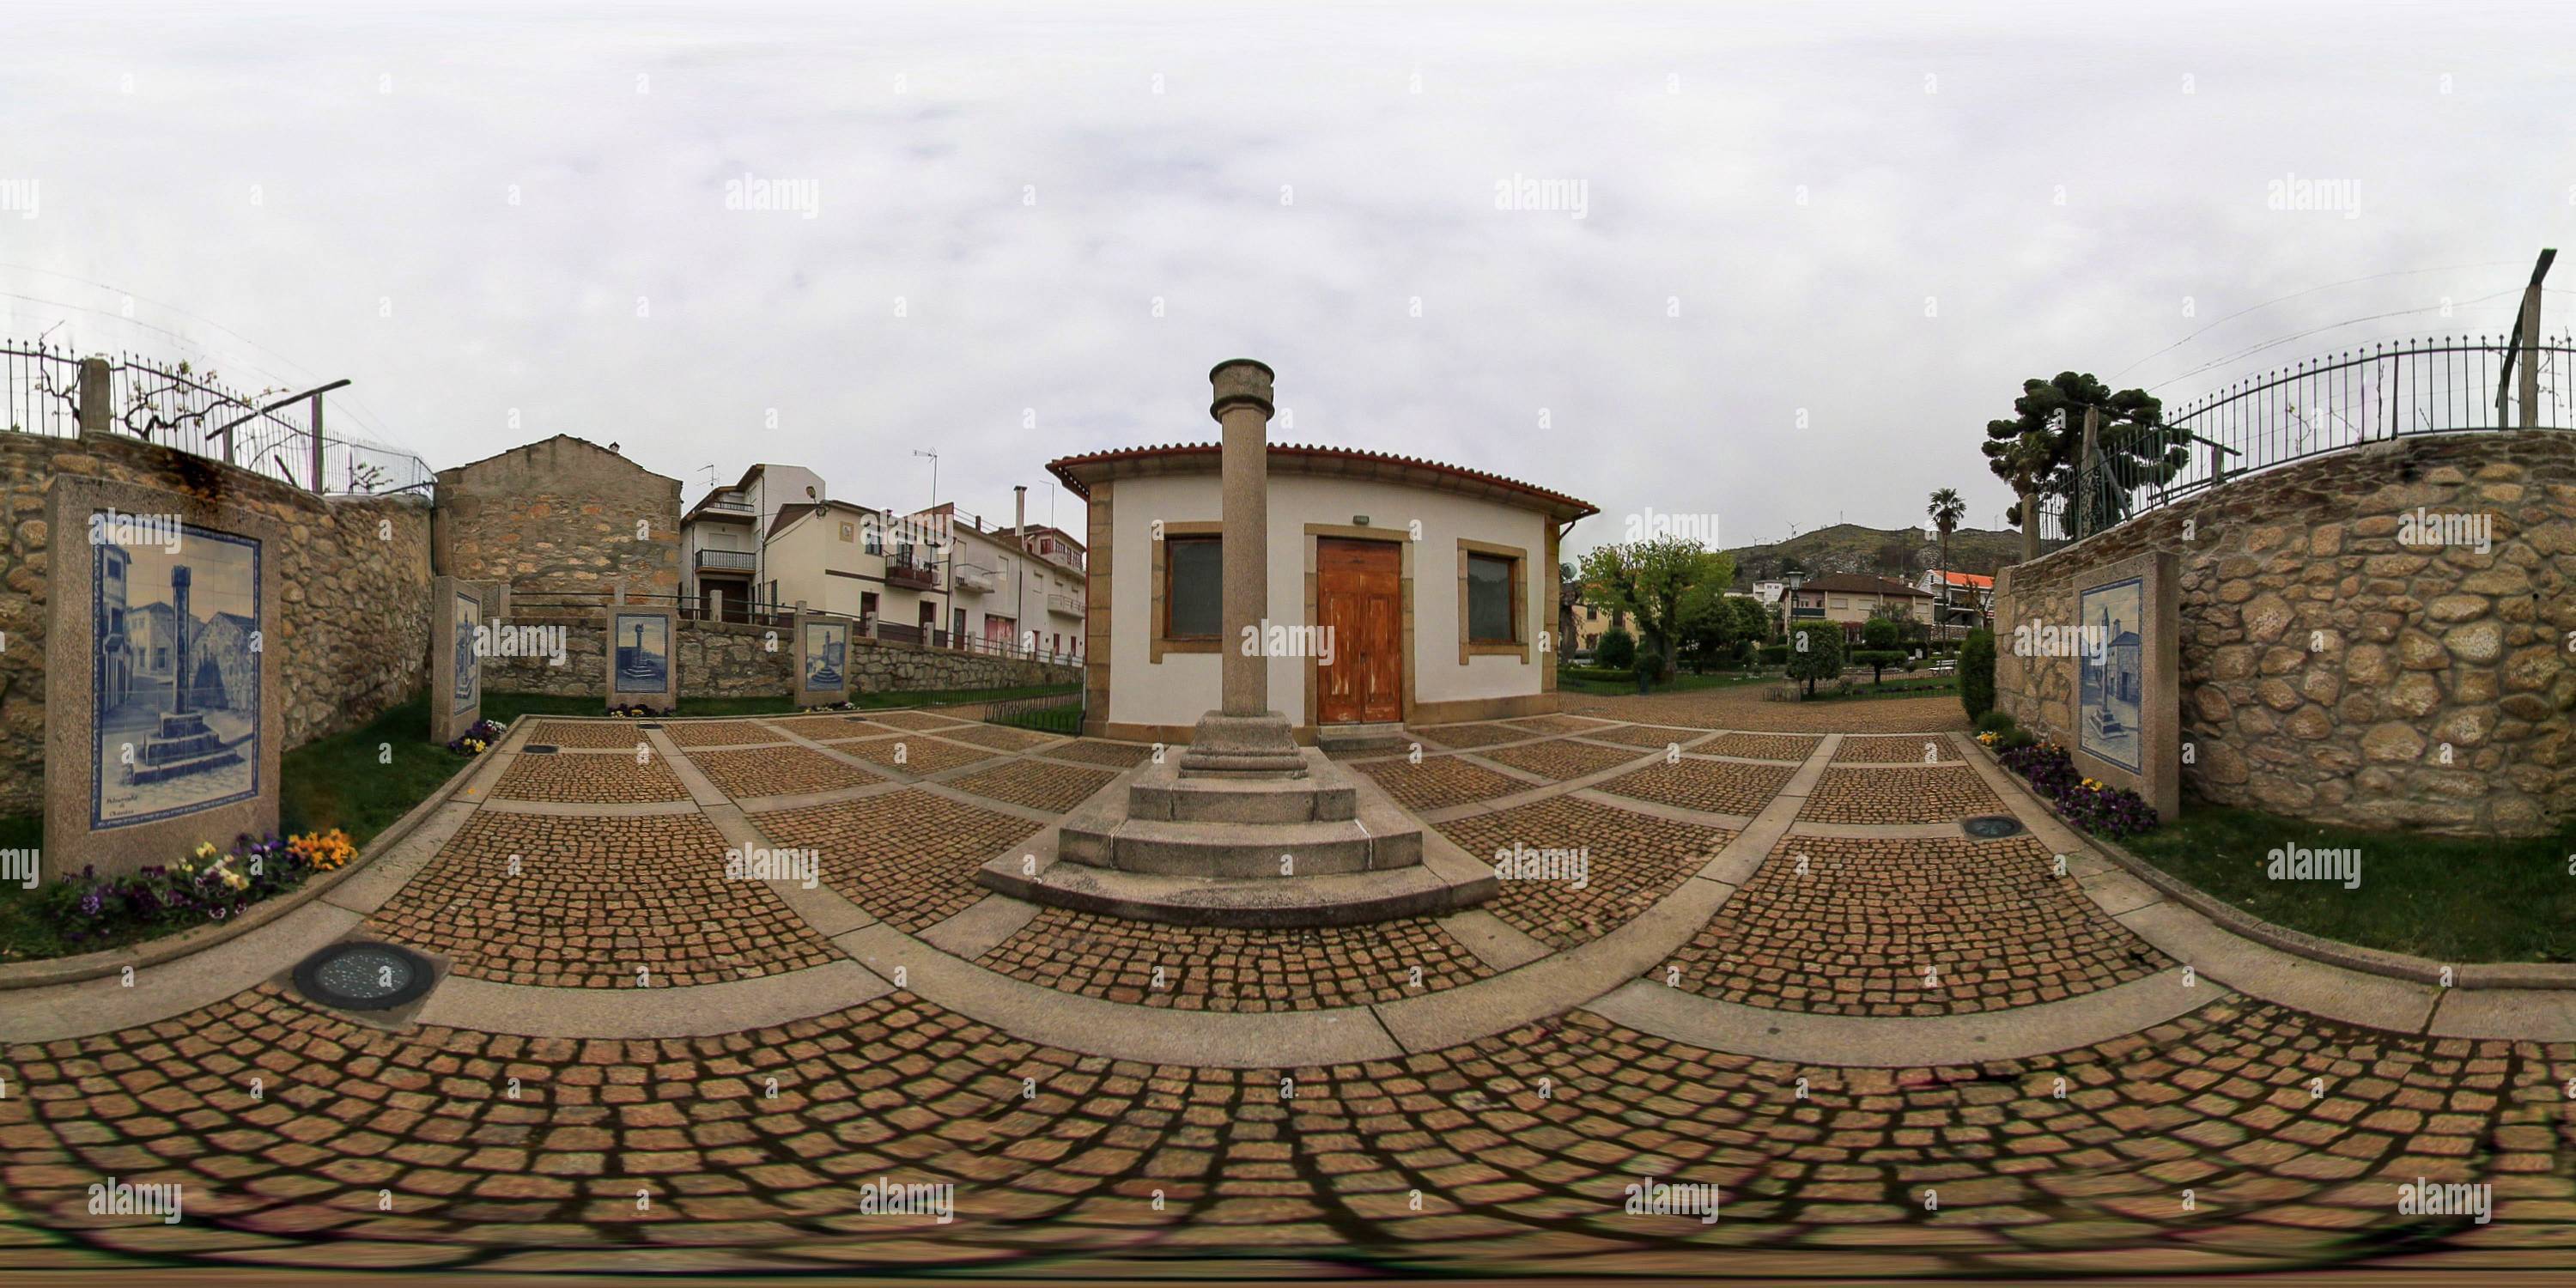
{"points": [[1946, 510]]}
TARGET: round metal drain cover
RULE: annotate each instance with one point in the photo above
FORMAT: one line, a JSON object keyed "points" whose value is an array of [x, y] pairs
{"points": [[361, 976], [1989, 826]]}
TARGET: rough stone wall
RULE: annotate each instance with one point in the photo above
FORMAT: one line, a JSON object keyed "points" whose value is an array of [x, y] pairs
{"points": [[2330, 672], [730, 660], [560, 516], [352, 627]]}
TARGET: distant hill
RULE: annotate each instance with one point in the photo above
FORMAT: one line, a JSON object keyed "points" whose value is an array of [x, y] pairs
{"points": [[1887, 552]]}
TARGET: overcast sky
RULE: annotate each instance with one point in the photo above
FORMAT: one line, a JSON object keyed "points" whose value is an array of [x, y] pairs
{"points": [[1817, 247]]}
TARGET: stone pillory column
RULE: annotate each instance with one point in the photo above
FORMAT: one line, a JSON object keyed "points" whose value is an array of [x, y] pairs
{"points": [[179, 579], [1243, 736]]}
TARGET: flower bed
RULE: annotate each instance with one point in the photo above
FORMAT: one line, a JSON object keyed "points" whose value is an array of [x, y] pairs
{"points": [[209, 885], [2090, 805], [478, 739]]}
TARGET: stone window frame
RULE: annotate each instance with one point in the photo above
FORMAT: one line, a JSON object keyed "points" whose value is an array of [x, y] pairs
{"points": [[1159, 611], [1519, 645]]}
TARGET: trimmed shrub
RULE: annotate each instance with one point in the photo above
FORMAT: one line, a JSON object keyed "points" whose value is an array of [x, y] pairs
{"points": [[1618, 650], [1977, 673], [1775, 654], [1877, 660], [1996, 722]]}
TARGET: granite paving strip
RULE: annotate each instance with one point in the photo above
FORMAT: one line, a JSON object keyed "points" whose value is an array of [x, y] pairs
{"points": [[1886, 1042], [625, 1014], [920, 721], [982, 926], [824, 727], [1002, 737], [106, 1004], [915, 753], [1473, 735]]}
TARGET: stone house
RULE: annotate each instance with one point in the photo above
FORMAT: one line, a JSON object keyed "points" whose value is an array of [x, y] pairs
{"points": [[563, 520]]}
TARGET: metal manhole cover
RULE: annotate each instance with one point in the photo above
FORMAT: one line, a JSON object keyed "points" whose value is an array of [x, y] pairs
{"points": [[1987, 827], [363, 976], [538, 749]]}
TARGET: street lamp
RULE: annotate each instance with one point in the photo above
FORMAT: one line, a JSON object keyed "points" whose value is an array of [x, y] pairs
{"points": [[1789, 602]]}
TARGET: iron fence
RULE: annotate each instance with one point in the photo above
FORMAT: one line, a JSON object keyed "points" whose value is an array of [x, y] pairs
{"points": [[2442, 385], [271, 433], [1051, 713]]}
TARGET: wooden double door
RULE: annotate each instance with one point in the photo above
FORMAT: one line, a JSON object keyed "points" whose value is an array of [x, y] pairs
{"points": [[1359, 596]]}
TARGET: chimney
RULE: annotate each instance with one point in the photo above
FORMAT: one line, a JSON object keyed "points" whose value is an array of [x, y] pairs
{"points": [[1020, 516]]}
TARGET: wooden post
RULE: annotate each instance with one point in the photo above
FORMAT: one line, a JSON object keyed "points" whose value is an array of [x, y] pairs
{"points": [[318, 487]]}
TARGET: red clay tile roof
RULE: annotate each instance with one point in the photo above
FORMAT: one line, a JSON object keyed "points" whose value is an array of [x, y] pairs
{"points": [[1067, 467], [1856, 583]]}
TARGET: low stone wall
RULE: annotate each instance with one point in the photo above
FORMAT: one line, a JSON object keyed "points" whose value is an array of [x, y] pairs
{"points": [[352, 624], [730, 660], [2331, 671]]}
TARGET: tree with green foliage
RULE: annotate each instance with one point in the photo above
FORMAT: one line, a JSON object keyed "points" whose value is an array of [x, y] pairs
{"points": [[1648, 580], [1752, 621], [1815, 652], [2038, 449], [1977, 673]]}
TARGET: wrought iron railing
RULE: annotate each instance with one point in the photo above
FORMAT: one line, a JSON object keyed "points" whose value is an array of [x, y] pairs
{"points": [[2442, 385], [270, 433]]}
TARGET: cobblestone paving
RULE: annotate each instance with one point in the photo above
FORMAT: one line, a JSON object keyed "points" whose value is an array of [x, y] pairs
{"points": [[909, 857], [1098, 751], [369, 1148], [1438, 781], [1750, 707], [1926, 750], [914, 754], [1857, 930], [921, 720], [586, 733], [1560, 758], [1711, 786], [590, 778], [825, 728], [592, 900], [1001, 737], [778, 771], [1642, 736], [1631, 860], [1036, 784], [1471, 735], [1217, 969], [1760, 746], [1554, 724], [718, 733], [1930, 795]]}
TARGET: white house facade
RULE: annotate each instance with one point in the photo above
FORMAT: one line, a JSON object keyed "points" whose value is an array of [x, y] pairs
{"points": [[1400, 589]]}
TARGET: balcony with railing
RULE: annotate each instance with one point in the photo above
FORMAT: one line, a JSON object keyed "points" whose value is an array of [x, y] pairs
{"points": [[1065, 605], [910, 575], [727, 561], [977, 578]]}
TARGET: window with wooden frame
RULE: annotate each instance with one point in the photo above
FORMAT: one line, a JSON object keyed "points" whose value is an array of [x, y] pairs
{"points": [[1493, 600], [1189, 589]]}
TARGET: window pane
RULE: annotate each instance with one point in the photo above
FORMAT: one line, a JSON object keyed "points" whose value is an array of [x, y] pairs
{"points": [[1489, 599], [1195, 598]]}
